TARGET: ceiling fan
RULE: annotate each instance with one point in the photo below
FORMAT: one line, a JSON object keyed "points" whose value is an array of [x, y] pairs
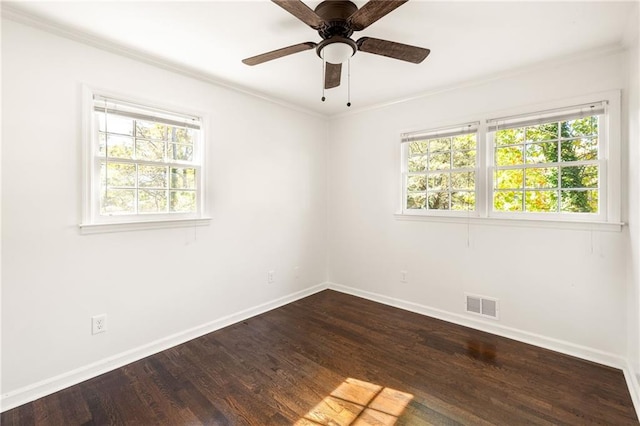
{"points": [[336, 21]]}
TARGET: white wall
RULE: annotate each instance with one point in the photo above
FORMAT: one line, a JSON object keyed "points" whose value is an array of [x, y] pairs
{"points": [[267, 196], [270, 208], [559, 288], [633, 131]]}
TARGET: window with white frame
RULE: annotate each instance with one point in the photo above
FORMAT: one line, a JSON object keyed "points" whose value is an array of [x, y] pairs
{"points": [[144, 163], [549, 162], [560, 163], [439, 169]]}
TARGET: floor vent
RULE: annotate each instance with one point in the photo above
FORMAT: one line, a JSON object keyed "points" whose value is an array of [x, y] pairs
{"points": [[481, 305]]}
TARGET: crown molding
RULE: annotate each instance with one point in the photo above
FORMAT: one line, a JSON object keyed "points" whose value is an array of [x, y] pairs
{"points": [[602, 51], [20, 16]]}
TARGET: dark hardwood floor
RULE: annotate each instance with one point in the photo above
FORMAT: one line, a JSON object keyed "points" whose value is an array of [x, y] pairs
{"points": [[337, 359]]}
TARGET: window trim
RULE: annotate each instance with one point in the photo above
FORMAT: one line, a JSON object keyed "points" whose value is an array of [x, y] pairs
{"points": [[609, 162], [92, 221]]}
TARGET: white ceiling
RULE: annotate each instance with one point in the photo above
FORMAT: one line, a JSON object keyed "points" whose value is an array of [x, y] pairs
{"points": [[468, 41]]}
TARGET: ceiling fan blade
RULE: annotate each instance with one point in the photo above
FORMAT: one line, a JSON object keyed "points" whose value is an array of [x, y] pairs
{"points": [[275, 54], [391, 49], [332, 74], [372, 11], [301, 11]]}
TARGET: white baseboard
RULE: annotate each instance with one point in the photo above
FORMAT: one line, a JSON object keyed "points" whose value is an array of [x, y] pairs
{"points": [[48, 386], [590, 354], [54, 384], [631, 376], [568, 348]]}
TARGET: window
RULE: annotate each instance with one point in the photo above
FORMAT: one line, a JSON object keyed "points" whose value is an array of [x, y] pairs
{"points": [[560, 163], [549, 162], [440, 169], [143, 163]]}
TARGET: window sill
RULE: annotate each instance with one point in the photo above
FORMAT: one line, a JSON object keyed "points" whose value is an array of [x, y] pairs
{"points": [[98, 228], [529, 223]]}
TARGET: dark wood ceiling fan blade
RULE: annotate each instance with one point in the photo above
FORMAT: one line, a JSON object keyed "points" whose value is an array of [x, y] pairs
{"points": [[301, 11], [332, 73], [275, 54], [372, 11], [391, 49]]}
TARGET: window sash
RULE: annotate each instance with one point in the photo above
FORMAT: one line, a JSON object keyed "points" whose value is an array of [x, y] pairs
{"points": [[103, 188], [600, 164]]}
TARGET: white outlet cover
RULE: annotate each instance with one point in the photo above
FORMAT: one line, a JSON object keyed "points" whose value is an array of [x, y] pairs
{"points": [[99, 324]]}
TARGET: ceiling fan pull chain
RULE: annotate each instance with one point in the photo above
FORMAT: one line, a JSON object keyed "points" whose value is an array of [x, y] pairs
{"points": [[324, 67], [349, 82]]}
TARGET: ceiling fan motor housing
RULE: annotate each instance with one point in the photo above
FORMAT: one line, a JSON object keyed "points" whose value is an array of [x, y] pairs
{"points": [[335, 14], [336, 28]]}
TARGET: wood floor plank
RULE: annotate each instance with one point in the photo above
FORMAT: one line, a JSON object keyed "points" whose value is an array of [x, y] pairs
{"points": [[332, 358]]}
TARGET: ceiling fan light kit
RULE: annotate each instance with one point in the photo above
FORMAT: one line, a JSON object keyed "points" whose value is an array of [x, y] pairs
{"points": [[336, 50], [336, 21]]}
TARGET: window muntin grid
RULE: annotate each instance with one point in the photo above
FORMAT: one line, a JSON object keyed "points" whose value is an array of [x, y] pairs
{"points": [[441, 173], [585, 167], [145, 165], [551, 167]]}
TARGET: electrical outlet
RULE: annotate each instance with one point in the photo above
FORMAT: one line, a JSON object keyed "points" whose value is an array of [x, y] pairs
{"points": [[99, 324], [404, 276], [271, 277], [296, 272]]}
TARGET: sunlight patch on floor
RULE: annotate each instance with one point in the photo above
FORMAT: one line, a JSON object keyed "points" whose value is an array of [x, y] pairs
{"points": [[356, 402]]}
